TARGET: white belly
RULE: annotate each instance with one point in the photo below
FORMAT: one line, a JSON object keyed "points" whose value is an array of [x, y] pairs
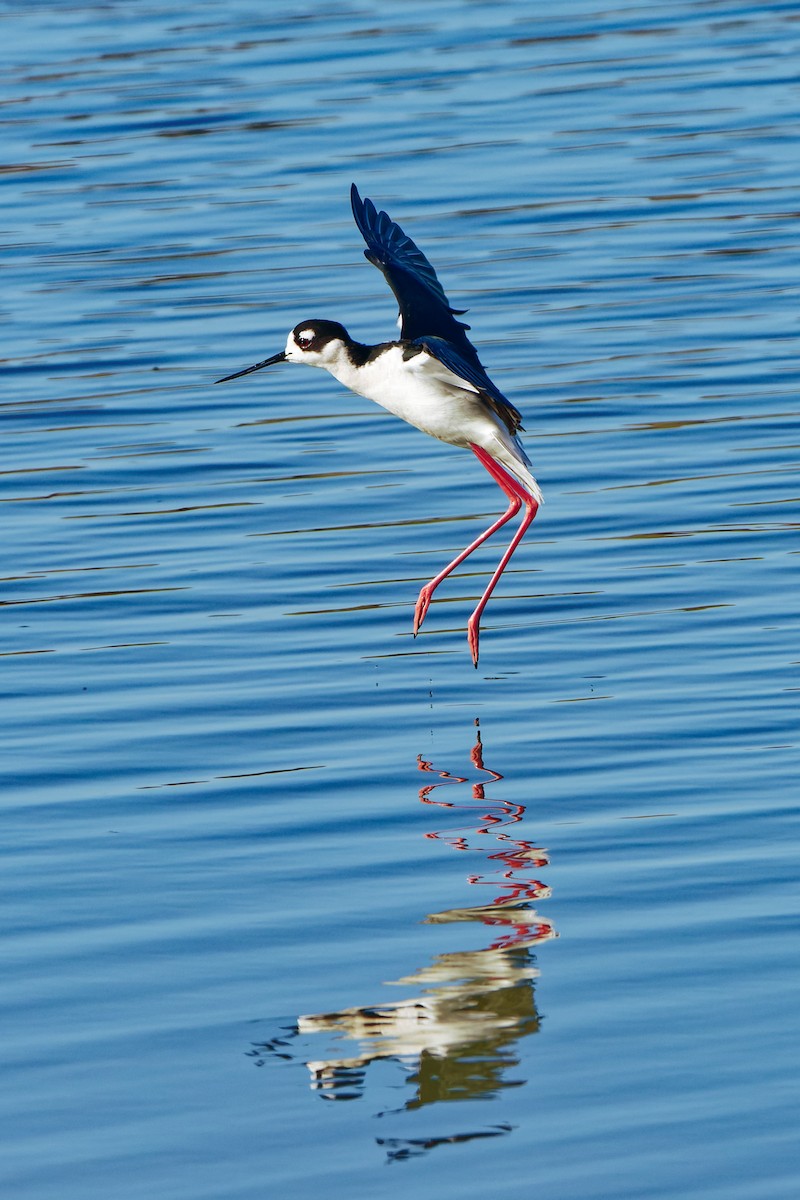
{"points": [[423, 392]]}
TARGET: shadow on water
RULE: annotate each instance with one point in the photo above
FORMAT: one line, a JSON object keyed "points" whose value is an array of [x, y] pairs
{"points": [[456, 1038]]}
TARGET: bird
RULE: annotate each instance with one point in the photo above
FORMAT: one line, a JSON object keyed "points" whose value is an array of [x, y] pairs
{"points": [[431, 377]]}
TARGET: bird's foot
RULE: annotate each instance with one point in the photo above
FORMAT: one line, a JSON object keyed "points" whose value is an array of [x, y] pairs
{"points": [[473, 636], [423, 603]]}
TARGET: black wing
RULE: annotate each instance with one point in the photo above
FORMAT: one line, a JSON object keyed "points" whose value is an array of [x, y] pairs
{"points": [[424, 308], [471, 371]]}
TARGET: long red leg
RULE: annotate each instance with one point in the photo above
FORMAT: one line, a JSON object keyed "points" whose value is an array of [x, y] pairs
{"points": [[424, 598], [518, 496]]}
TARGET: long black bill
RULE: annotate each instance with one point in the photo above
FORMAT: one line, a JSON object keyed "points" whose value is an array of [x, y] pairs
{"points": [[268, 362]]}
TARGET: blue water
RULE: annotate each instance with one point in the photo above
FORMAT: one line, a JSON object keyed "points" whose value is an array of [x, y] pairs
{"points": [[289, 897]]}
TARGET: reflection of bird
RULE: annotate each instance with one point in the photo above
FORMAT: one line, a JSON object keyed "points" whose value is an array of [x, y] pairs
{"points": [[432, 378]]}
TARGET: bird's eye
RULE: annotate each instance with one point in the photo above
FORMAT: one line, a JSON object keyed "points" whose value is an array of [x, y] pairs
{"points": [[304, 340]]}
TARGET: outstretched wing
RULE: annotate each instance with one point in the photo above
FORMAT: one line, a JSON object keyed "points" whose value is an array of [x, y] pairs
{"points": [[425, 311], [471, 371]]}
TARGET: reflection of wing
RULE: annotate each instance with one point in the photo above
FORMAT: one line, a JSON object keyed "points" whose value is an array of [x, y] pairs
{"points": [[399, 1149], [424, 308]]}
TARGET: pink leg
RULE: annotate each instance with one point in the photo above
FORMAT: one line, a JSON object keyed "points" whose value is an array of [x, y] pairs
{"points": [[424, 598], [517, 496], [515, 491]]}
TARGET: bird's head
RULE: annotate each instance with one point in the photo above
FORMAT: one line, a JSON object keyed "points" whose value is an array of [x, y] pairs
{"points": [[316, 343]]}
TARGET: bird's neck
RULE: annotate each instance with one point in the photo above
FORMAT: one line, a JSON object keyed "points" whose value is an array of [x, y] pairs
{"points": [[351, 365]]}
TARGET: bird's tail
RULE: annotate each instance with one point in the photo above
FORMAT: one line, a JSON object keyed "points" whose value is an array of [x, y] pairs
{"points": [[510, 452]]}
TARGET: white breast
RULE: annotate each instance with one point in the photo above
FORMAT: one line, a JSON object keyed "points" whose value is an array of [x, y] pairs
{"points": [[423, 392], [418, 389]]}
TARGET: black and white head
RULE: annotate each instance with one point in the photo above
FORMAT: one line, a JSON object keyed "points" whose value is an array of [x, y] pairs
{"points": [[316, 343]]}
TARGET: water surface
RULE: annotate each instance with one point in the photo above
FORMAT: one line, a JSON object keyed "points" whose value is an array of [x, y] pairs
{"points": [[289, 896]]}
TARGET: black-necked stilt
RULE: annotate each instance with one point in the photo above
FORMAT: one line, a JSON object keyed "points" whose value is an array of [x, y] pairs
{"points": [[432, 378]]}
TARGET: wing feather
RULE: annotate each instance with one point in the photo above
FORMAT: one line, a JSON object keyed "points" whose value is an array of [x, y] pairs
{"points": [[473, 373], [424, 307], [427, 318]]}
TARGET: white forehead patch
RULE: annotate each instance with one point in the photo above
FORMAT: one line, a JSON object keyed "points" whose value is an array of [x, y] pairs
{"points": [[306, 335]]}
